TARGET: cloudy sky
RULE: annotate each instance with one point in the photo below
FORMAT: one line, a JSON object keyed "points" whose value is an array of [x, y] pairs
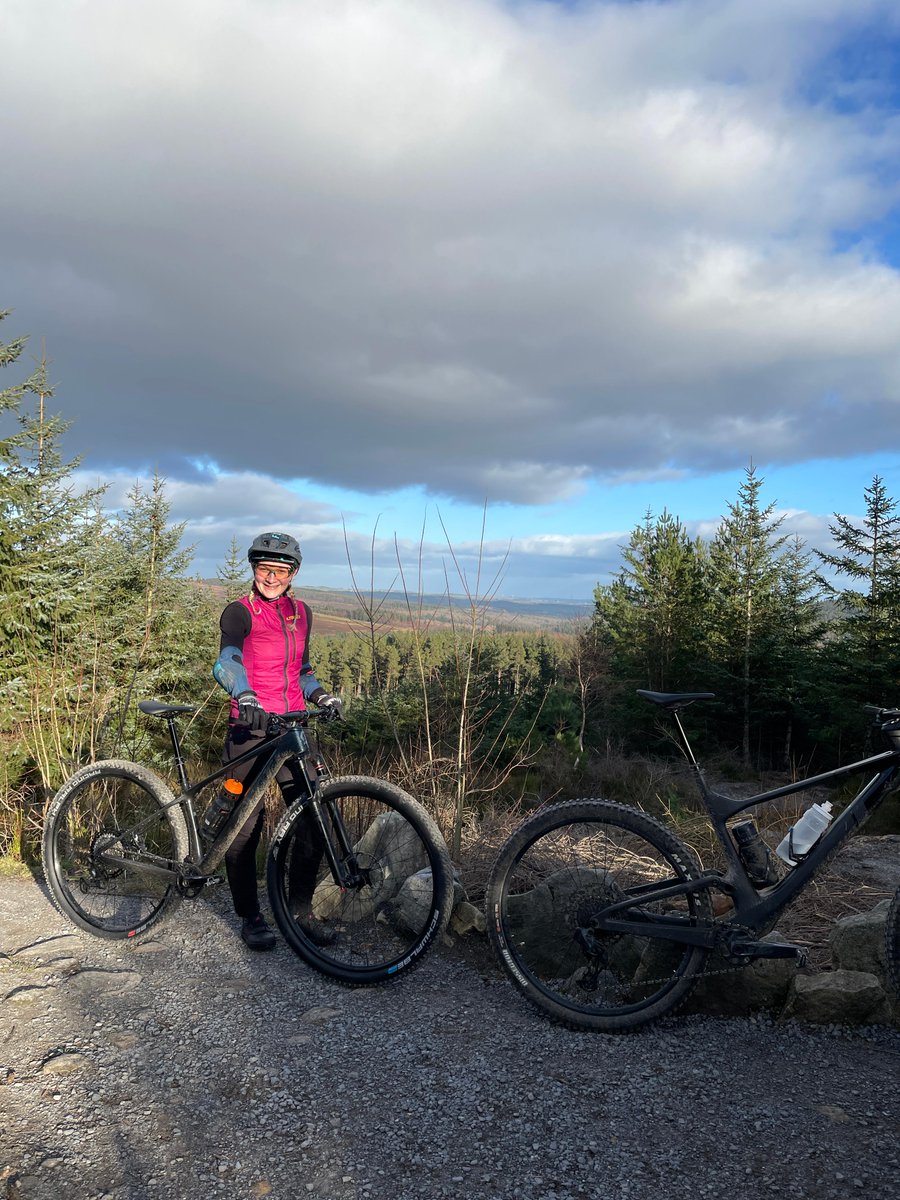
{"points": [[360, 267]]}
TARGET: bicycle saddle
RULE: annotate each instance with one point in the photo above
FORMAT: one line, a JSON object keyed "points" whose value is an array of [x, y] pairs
{"points": [[154, 708], [674, 699]]}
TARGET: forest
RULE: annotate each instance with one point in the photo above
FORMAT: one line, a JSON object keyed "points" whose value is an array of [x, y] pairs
{"points": [[99, 609]]}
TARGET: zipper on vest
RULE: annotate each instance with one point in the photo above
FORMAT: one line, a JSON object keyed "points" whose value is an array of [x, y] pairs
{"points": [[287, 656]]}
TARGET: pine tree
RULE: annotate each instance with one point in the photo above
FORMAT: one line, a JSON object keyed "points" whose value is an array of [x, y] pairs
{"points": [[652, 613], [745, 576], [797, 630], [869, 632], [234, 573], [164, 630]]}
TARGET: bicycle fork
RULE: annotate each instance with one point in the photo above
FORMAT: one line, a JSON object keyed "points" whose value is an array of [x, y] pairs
{"points": [[339, 853]]}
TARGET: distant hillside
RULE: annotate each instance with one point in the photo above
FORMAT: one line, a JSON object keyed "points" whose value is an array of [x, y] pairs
{"points": [[339, 611]]}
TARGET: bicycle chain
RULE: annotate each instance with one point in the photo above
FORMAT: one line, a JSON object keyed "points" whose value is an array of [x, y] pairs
{"points": [[706, 973]]}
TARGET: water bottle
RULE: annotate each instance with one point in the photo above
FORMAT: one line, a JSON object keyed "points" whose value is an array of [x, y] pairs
{"points": [[801, 837], [754, 853], [220, 809]]}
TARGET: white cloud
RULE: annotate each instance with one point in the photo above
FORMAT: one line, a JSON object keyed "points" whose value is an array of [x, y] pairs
{"points": [[492, 249]]}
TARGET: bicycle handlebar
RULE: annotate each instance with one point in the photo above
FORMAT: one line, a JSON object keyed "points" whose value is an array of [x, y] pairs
{"points": [[303, 716], [880, 715]]}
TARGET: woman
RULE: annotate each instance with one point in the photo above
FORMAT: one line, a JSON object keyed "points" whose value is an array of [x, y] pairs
{"points": [[264, 666]]}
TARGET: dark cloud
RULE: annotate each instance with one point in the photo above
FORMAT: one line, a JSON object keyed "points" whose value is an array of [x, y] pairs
{"points": [[490, 250]]}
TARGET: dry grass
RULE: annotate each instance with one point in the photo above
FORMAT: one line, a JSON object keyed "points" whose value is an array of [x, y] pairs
{"points": [[827, 898]]}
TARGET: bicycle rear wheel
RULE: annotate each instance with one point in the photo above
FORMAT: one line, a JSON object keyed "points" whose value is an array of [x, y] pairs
{"points": [[119, 806], [551, 879], [373, 931]]}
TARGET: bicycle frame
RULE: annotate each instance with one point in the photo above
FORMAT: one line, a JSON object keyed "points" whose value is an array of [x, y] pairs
{"points": [[753, 907], [290, 747]]}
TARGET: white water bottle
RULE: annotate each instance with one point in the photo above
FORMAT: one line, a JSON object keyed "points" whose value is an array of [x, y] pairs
{"points": [[801, 837]]}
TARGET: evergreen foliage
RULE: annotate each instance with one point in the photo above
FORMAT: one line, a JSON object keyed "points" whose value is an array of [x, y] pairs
{"points": [[97, 611]]}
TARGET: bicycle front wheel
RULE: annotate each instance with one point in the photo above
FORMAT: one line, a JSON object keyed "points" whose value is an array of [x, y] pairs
{"points": [[553, 876], [118, 807], [381, 925]]}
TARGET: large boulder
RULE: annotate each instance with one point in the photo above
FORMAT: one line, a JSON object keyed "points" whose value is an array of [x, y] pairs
{"points": [[545, 918], [392, 851], [839, 998], [857, 941], [409, 907]]}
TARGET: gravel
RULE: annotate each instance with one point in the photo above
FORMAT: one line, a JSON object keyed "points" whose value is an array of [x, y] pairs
{"points": [[189, 1066]]}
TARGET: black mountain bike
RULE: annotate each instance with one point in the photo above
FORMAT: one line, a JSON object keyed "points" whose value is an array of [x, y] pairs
{"points": [[121, 851], [604, 919]]}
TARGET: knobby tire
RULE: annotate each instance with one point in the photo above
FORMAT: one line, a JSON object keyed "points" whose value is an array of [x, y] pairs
{"points": [[120, 805], [553, 875], [383, 927]]}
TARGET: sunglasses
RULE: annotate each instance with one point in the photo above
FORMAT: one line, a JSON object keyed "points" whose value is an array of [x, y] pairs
{"points": [[265, 570]]}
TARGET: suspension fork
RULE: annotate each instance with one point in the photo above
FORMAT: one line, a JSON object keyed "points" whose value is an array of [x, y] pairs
{"points": [[345, 868]]}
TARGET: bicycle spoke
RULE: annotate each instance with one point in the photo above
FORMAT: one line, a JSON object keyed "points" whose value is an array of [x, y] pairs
{"points": [[393, 891], [120, 812], [552, 883]]}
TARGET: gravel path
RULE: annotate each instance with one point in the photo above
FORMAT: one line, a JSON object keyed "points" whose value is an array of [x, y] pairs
{"points": [[189, 1067]]}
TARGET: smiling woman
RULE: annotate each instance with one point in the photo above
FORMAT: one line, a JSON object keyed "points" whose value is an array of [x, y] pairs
{"points": [[264, 666]]}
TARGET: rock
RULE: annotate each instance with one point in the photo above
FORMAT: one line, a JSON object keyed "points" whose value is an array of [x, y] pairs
{"points": [[466, 917], [838, 998], [409, 908], [149, 947], [390, 848], [123, 1040], [546, 917], [64, 1064], [28, 994], [857, 942], [113, 983], [761, 985], [875, 860], [319, 1016]]}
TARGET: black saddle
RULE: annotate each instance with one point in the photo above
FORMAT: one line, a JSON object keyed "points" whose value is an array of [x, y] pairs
{"points": [[674, 699], [153, 708]]}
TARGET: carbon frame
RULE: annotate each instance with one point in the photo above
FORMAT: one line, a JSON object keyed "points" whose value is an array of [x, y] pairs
{"points": [[752, 908]]}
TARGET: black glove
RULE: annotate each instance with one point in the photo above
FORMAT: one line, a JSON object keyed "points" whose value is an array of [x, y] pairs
{"points": [[251, 713], [334, 705]]}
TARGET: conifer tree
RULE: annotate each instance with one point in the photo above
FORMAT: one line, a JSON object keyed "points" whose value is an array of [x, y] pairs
{"points": [[868, 555], [164, 630], [234, 573], [797, 631], [652, 614], [745, 575]]}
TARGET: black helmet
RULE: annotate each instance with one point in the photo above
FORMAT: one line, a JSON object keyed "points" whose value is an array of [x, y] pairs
{"points": [[275, 547]]}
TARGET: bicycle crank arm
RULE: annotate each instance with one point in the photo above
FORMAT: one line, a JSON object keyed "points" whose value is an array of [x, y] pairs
{"points": [[751, 950]]}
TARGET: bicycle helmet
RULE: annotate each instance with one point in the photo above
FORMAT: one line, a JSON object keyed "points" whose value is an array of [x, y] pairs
{"points": [[275, 547]]}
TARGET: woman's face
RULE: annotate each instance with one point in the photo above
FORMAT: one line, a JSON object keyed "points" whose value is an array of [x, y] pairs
{"points": [[272, 578]]}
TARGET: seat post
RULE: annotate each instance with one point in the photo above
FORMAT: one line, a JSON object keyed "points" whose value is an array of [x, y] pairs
{"points": [[176, 751], [701, 782]]}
